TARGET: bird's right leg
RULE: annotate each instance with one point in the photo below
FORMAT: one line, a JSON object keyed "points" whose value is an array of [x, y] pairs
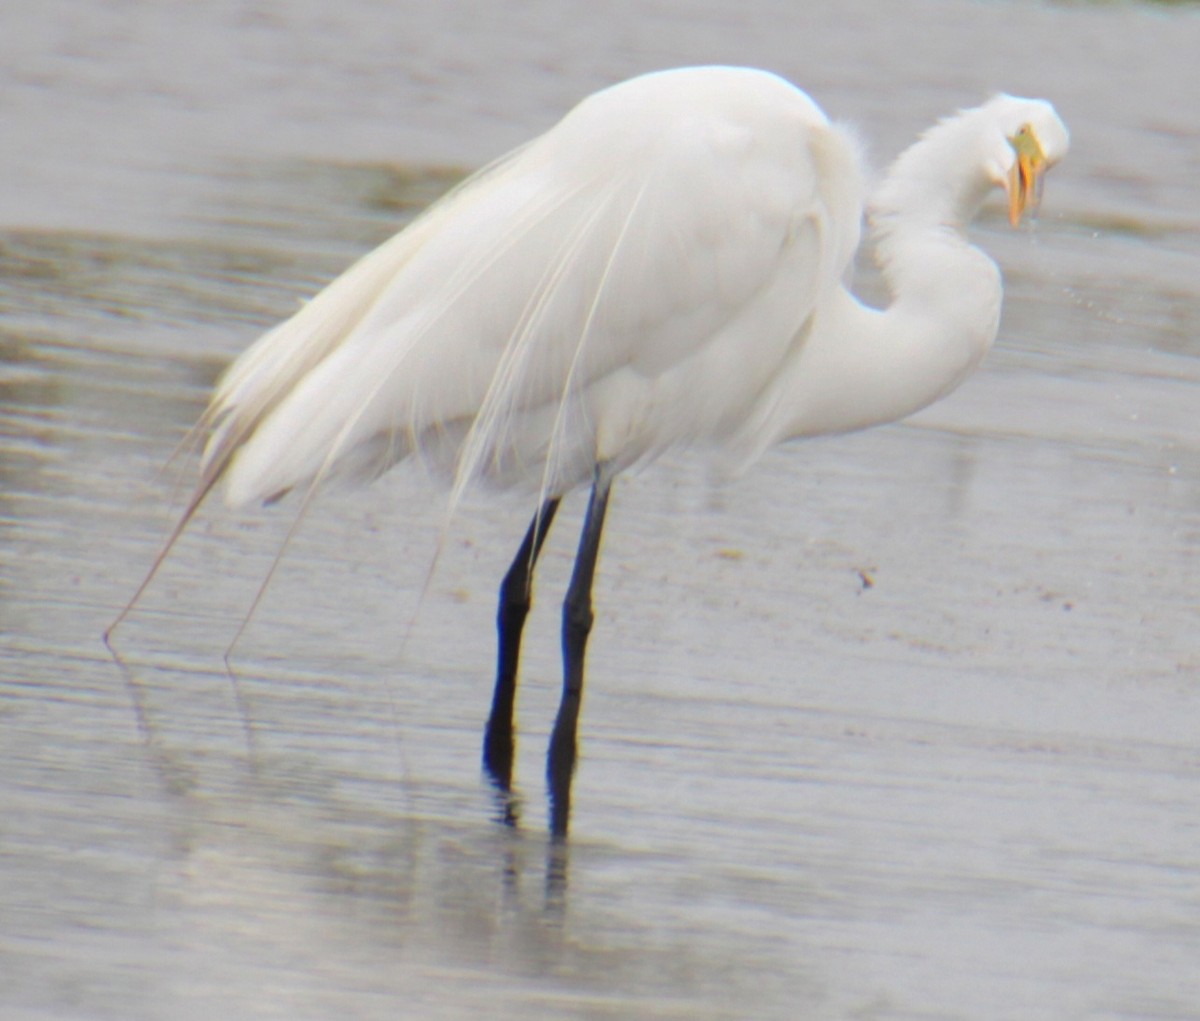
{"points": [[515, 599], [577, 625]]}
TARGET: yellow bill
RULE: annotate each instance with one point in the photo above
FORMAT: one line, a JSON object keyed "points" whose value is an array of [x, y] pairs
{"points": [[1025, 178]]}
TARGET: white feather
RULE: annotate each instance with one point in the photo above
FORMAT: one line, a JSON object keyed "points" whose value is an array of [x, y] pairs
{"points": [[535, 320]]}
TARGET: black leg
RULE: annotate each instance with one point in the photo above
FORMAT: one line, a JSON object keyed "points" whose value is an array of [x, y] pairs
{"points": [[577, 622], [515, 599]]}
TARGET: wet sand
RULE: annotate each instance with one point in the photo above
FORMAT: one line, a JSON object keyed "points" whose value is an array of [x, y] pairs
{"points": [[900, 725]]}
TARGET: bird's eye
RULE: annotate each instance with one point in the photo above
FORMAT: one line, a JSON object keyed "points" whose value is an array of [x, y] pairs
{"points": [[1026, 143]]}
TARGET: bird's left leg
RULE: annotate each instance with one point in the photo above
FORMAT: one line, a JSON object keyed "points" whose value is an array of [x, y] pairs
{"points": [[515, 600], [577, 623]]}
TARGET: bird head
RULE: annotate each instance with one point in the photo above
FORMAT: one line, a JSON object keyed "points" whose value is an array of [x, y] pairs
{"points": [[1031, 138]]}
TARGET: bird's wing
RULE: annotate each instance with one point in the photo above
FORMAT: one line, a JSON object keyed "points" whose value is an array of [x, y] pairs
{"points": [[624, 241]]}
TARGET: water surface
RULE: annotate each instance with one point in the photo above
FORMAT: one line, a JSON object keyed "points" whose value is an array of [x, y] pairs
{"points": [[903, 725]]}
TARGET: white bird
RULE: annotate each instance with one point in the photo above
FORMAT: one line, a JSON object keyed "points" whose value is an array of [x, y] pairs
{"points": [[665, 267]]}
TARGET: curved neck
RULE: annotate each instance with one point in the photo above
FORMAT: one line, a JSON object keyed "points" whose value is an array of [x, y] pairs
{"points": [[938, 181], [860, 366]]}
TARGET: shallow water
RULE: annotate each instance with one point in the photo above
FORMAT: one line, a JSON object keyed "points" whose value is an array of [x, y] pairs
{"points": [[902, 725]]}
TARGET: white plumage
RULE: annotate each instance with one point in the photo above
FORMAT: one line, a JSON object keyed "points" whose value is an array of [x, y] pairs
{"points": [[571, 299], [665, 267]]}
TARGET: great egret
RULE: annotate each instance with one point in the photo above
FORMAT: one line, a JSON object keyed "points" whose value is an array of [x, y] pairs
{"points": [[664, 267]]}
